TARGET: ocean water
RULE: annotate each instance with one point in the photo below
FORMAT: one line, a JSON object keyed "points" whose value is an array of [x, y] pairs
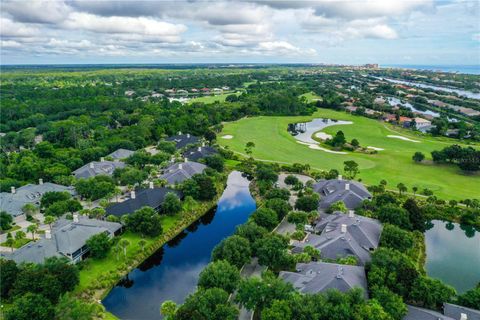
{"points": [[467, 69]]}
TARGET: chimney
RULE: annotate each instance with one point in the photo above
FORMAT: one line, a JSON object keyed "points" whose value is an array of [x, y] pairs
{"points": [[150, 184], [75, 218], [463, 316], [180, 167], [102, 159], [12, 189], [350, 214], [340, 177], [132, 194], [91, 165], [48, 235], [199, 149], [186, 159], [347, 186], [40, 181], [343, 228], [188, 135]]}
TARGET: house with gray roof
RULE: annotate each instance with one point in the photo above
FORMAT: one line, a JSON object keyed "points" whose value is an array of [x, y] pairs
{"points": [[96, 168], [343, 235], [13, 202], [150, 197], [121, 154], [179, 172], [67, 239], [315, 277], [200, 152], [450, 312], [458, 312], [350, 192], [182, 140]]}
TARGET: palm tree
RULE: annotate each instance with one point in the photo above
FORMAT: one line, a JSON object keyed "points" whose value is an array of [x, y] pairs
{"points": [[116, 192], [142, 244], [124, 243], [116, 249], [50, 220], [32, 228], [401, 188], [29, 209], [10, 242], [414, 189], [19, 235]]}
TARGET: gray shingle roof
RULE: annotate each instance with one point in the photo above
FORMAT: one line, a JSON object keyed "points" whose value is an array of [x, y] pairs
{"points": [[182, 140], [179, 172], [146, 197], [120, 154], [30, 193], [416, 313], [96, 168], [454, 311], [198, 153], [351, 192], [362, 235], [67, 237], [316, 277]]}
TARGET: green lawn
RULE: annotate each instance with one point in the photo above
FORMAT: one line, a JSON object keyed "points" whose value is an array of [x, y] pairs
{"points": [[211, 98], [311, 96], [93, 267], [17, 243], [394, 164]]}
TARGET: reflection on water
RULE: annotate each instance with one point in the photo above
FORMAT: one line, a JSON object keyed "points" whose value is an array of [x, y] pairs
{"points": [[453, 250], [171, 273]]}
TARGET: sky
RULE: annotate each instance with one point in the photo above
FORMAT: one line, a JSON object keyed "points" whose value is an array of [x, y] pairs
{"points": [[409, 32]]}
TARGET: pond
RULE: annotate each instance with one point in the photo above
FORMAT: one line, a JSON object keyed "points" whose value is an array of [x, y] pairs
{"points": [[303, 131], [453, 254], [172, 272], [393, 101]]}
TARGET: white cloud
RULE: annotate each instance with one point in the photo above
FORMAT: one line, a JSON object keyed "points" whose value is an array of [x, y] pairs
{"points": [[9, 28], [10, 44], [168, 32], [35, 11]]}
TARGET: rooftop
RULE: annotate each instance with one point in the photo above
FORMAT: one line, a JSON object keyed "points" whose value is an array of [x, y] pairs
{"points": [[182, 140], [316, 277], [151, 197], [343, 235], [96, 168], [179, 172], [120, 154], [30, 193], [67, 237], [198, 153], [351, 192]]}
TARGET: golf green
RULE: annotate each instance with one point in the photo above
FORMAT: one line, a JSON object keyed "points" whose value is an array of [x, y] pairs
{"points": [[394, 163]]}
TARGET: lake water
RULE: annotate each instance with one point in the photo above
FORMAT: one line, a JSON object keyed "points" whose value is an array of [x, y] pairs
{"points": [[314, 126], [393, 101], [462, 93], [453, 254], [467, 69], [172, 272]]}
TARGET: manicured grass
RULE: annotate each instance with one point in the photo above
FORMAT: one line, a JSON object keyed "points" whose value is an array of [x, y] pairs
{"points": [[92, 268], [394, 164], [311, 96], [211, 98], [17, 243], [13, 228]]}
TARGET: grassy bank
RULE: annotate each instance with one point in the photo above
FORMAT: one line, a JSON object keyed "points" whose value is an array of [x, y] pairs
{"points": [[394, 163], [99, 276]]}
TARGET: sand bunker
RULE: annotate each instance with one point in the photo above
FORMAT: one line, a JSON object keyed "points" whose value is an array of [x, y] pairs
{"points": [[375, 148], [227, 137], [402, 138], [323, 135], [317, 147]]}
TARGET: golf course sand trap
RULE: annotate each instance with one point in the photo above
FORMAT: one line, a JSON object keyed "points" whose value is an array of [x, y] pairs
{"points": [[323, 135], [228, 137], [317, 147], [402, 138], [375, 148]]}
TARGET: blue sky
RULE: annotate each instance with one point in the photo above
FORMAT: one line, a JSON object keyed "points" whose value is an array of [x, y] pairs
{"points": [[275, 31]]}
